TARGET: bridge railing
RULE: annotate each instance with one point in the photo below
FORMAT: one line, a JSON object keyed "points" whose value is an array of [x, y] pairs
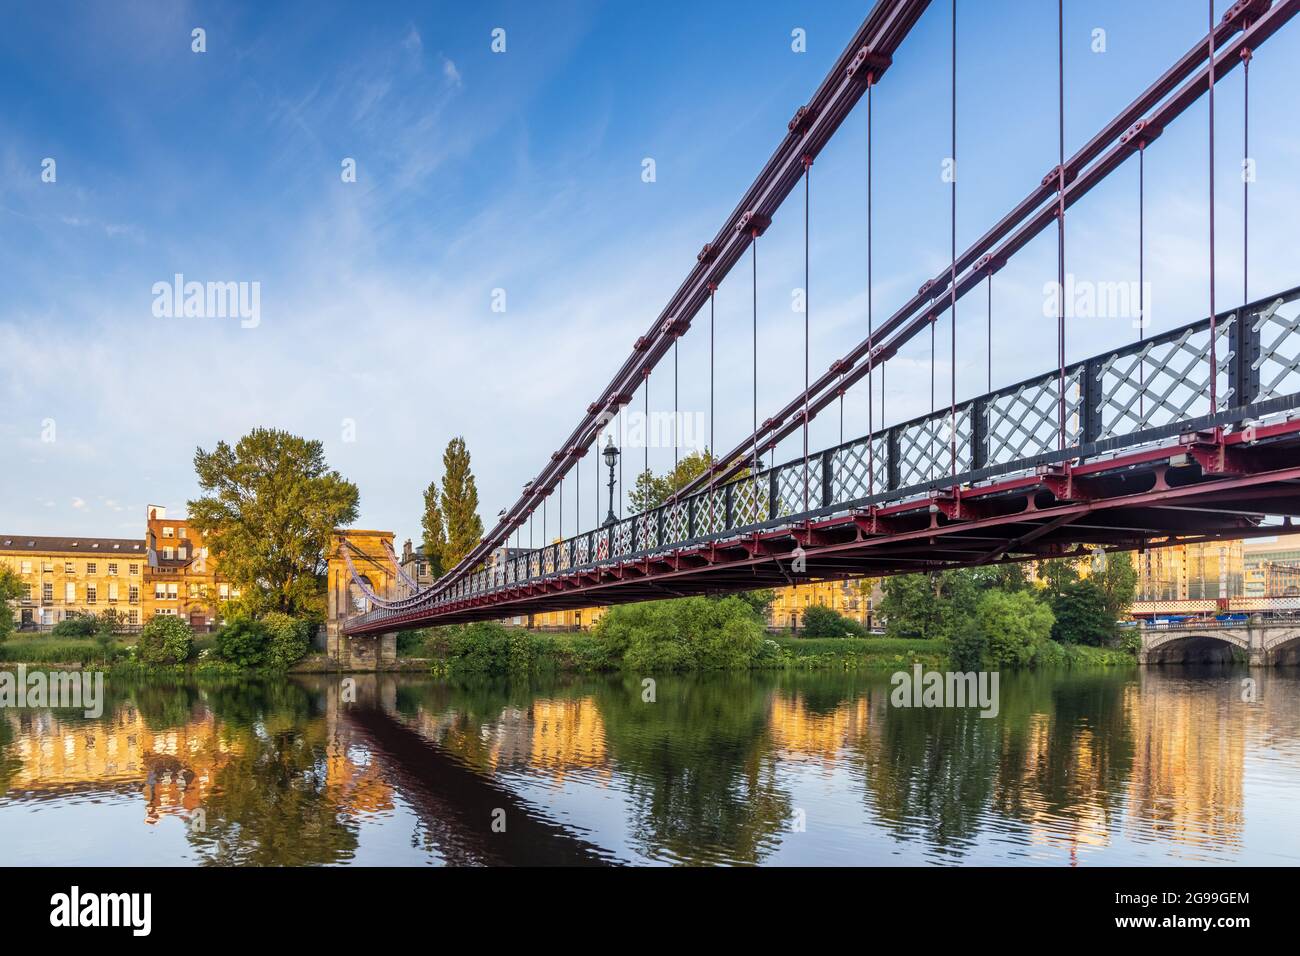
{"points": [[1144, 392]]}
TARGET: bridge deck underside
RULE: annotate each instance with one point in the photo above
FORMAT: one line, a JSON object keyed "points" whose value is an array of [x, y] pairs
{"points": [[1199, 488]]}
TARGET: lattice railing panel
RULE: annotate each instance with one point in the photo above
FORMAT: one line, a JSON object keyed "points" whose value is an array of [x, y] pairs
{"points": [[646, 530], [623, 532], [926, 447], [790, 485], [1278, 363], [1024, 422], [710, 512], [748, 502], [1163, 381], [860, 469], [676, 522]]}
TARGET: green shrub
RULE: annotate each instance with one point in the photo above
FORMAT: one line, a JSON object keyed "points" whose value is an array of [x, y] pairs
{"points": [[288, 639], [819, 621], [1081, 615], [969, 646], [243, 642], [165, 640], [680, 634], [1017, 626], [78, 625], [486, 647]]}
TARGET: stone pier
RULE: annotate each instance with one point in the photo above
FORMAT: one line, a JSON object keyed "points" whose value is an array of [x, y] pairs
{"points": [[345, 599]]}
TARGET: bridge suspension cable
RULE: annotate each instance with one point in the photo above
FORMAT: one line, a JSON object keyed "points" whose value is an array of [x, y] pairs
{"points": [[1060, 222], [1214, 335], [952, 281]]}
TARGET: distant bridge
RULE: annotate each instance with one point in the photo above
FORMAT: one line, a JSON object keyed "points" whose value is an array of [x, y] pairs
{"points": [[1265, 641]]}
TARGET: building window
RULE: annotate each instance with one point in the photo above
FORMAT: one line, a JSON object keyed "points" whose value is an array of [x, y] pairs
{"points": [[133, 617], [47, 592], [69, 593], [92, 567], [112, 570], [27, 592], [182, 553], [185, 532], [112, 591], [68, 568], [134, 569], [133, 594], [171, 592], [159, 592], [223, 591], [27, 567], [92, 594], [168, 554]]}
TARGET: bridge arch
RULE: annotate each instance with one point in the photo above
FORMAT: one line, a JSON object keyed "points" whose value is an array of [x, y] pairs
{"points": [[1194, 645], [1281, 644]]}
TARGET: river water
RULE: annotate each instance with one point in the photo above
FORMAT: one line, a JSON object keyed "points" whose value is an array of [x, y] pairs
{"points": [[1093, 767]]}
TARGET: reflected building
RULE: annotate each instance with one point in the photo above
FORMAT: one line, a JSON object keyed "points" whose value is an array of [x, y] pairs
{"points": [[1187, 782], [173, 768], [796, 730]]}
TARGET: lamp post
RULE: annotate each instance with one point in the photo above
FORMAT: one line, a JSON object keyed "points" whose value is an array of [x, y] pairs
{"points": [[611, 459]]}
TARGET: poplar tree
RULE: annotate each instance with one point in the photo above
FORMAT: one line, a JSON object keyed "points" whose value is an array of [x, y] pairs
{"points": [[435, 533], [459, 504]]}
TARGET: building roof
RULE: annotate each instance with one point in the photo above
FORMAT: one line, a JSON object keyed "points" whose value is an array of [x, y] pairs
{"points": [[91, 546]]}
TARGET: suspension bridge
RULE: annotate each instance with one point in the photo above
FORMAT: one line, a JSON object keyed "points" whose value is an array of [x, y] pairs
{"points": [[1187, 435]]}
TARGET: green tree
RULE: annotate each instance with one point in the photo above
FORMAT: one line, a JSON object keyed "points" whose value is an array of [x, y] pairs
{"points": [[459, 504], [910, 607], [653, 490], [1056, 573], [1016, 626], [1003, 577], [930, 605], [1082, 616], [269, 508], [1118, 583], [11, 588], [435, 531]]}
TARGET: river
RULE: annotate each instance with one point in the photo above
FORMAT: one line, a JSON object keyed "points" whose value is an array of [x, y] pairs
{"points": [[1088, 767]]}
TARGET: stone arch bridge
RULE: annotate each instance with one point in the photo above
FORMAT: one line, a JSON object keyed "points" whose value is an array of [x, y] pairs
{"points": [[1264, 642]]}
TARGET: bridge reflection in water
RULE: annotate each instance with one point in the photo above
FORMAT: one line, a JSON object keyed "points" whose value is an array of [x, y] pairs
{"points": [[1105, 767]]}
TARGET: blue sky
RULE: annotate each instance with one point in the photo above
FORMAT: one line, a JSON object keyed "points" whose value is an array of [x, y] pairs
{"points": [[522, 171]]}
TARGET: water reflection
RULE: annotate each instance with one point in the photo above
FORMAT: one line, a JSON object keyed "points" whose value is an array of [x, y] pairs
{"points": [[1099, 766]]}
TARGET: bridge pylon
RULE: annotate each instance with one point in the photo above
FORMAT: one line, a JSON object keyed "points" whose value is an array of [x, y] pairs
{"points": [[368, 552]]}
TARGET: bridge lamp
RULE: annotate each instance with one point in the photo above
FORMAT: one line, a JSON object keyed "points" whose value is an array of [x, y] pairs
{"points": [[611, 459]]}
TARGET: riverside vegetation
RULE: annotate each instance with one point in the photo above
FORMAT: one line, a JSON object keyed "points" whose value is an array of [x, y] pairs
{"points": [[966, 619]]}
